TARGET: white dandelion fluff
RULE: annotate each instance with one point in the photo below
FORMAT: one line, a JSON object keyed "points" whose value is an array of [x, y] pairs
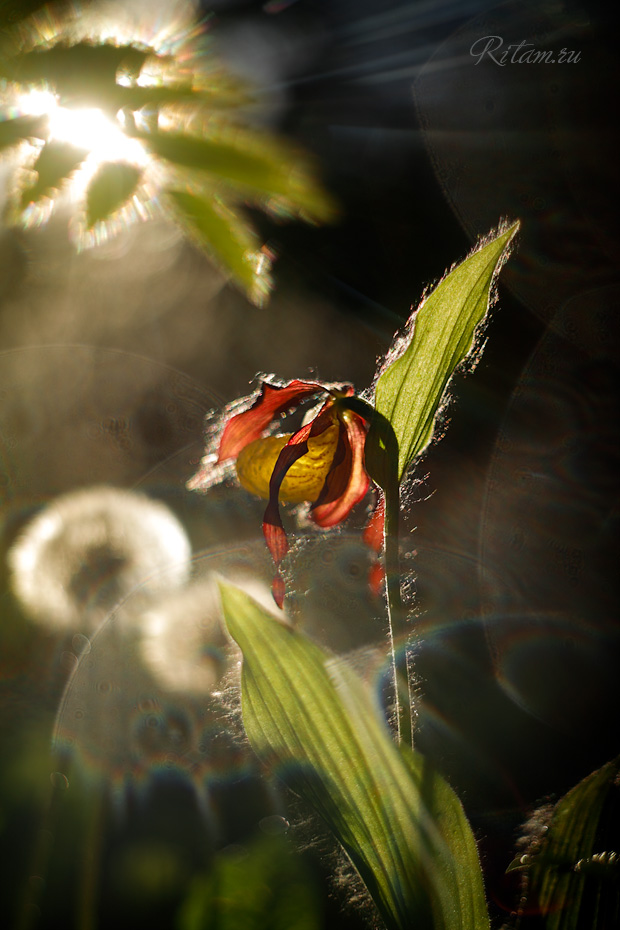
{"points": [[89, 549], [184, 642]]}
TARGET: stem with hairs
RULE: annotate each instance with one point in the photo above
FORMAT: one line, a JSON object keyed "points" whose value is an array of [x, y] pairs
{"points": [[381, 459]]}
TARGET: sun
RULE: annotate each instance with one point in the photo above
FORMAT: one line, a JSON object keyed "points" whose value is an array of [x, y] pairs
{"points": [[98, 140], [87, 128], [123, 130]]}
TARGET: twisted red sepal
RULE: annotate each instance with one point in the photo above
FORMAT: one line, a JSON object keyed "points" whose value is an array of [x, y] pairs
{"points": [[272, 401], [273, 530], [375, 528], [346, 482], [278, 589], [373, 537], [376, 578]]}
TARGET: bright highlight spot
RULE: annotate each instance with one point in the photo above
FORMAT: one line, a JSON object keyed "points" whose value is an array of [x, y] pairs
{"points": [[86, 128]]}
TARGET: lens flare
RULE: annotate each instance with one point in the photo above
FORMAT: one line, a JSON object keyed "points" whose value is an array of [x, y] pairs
{"points": [[85, 127]]}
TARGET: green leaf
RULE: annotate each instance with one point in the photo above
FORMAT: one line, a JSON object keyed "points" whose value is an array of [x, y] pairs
{"points": [[571, 878], [311, 719], [137, 96], [17, 130], [84, 72], [249, 164], [54, 165], [463, 899], [110, 188], [260, 886], [87, 73], [222, 230], [441, 334]]}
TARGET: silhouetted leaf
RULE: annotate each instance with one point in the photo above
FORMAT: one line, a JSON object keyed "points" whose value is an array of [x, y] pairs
{"points": [[83, 73], [16, 130], [309, 718], [222, 230], [110, 188], [571, 878], [159, 95], [54, 165], [249, 163], [242, 165], [441, 335]]}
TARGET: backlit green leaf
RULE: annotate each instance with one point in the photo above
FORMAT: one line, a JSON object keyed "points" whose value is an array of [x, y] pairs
{"points": [[137, 96], [54, 165], [312, 721], [572, 878], [84, 72], [250, 165], [411, 389], [111, 187], [222, 230], [206, 155]]}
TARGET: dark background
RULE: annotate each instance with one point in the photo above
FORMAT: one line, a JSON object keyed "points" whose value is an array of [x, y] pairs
{"points": [[112, 357]]}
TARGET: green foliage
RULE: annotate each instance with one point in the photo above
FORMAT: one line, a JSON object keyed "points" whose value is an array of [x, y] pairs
{"points": [[54, 165], [87, 74], [571, 880], [309, 717], [210, 165], [111, 187], [221, 231], [262, 885], [83, 74], [410, 390], [246, 164]]}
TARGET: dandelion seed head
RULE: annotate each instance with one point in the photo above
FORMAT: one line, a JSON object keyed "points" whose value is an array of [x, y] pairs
{"points": [[184, 644], [87, 550]]}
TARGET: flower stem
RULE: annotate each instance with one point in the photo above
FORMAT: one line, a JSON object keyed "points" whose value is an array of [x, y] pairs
{"points": [[381, 460], [397, 620]]}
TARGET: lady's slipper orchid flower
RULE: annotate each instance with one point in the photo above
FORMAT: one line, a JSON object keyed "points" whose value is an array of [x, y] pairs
{"points": [[321, 464]]}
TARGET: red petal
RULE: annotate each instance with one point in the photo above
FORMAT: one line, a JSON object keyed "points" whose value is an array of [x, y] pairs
{"points": [[374, 537], [278, 590], [293, 450], [272, 401], [376, 578], [277, 543], [347, 482], [273, 531], [375, 528]]}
